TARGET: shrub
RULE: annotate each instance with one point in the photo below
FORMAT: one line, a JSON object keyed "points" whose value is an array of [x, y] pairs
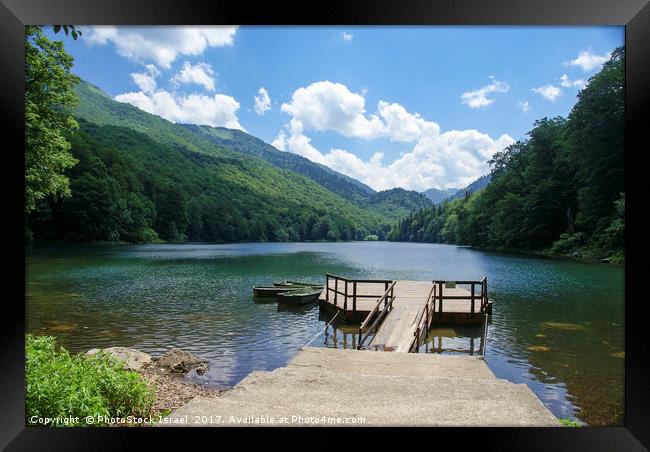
{"points": [[568, 243], [566, 422], [371, 237], [61, 385]]}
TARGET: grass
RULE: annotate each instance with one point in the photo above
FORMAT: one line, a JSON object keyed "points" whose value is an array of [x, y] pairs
{"points": [[566, 422], [64, 386]]}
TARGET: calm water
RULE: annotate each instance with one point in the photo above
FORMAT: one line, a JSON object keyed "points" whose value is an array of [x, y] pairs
{"points": [[557, 325]]}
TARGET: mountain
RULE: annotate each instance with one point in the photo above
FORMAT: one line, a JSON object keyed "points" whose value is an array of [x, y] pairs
{"points": [[397, 202], [475, 186], [97, 107], [242, 142], [141, 177], [437, 196]]}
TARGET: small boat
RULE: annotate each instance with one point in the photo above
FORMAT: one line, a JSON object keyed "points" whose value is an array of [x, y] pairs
{"points": [[301, 296], [272, 291], [295, 283]]}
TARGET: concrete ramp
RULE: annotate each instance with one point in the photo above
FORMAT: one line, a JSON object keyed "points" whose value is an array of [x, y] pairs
{"points": [[358, 388]]}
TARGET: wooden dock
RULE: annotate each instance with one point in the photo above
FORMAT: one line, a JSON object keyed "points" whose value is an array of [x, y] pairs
{"points": [[396, 315]]}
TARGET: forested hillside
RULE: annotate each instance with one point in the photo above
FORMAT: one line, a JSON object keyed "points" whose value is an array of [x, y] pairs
{"points": [[561, 190], [128, 187], [397, 202], [245, 143]]}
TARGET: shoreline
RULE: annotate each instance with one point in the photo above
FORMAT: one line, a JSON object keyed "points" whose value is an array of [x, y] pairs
{"points": [[173, 390]]}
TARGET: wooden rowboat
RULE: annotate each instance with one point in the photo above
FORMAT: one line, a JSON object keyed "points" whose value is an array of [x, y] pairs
{"points": [[272, 291], [296, 297], [295, 283]]}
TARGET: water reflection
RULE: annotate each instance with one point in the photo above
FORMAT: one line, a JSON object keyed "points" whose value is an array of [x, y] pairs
{"points": [[460, 339]]}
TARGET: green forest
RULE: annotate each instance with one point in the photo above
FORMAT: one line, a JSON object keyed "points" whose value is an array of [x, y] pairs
{"points": [[560, 191]]}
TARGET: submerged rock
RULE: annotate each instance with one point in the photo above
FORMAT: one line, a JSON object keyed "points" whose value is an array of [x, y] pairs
{"points": [[133, 359], [178, 360], [563, 326]]}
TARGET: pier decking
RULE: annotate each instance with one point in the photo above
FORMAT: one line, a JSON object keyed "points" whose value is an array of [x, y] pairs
{"points": [[398, 314]]}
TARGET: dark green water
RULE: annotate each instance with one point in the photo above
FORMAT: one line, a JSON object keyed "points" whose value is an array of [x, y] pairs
{"points": [[557, 325]]}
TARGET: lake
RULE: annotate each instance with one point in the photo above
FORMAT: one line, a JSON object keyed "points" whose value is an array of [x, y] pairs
{"points": [[557, 325]]}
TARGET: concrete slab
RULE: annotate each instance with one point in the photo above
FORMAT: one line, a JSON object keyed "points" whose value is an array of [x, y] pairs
{"points": [[379, 388], [405, 364]]}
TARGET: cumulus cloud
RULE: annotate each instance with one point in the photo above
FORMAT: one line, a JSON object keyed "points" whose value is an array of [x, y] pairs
{"points": [[479, 98], [331, 106], [162, 45], [588, 60], [347, 36], [146, 81], [525, 106], [566, 82], [218, 110], [262, 101], [549, 92], [450, 159], [200, 74]]}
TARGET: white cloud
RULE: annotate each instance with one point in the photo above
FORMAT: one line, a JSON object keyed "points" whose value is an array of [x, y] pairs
{"points": [[347, 36], [450, 159], [548, 92], [525, 106], [219, 110], [262, 101], [566, 82], [146, 81], [479, 98], [400, 125], [160, 44], [331, 106], [588, 60], [200, 74]]}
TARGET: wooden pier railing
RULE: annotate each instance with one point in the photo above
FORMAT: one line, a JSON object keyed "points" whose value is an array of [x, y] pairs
{"points": [[347, 289], [377, 315], [473, 297], [423, 320]]}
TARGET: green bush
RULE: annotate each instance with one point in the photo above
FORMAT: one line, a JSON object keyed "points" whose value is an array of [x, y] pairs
{"points": [[371, 237], [566, 422], [568, 243], [61, 385]]}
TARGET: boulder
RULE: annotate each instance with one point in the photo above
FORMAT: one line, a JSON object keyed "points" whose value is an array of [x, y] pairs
{"points": [[178, 360], [133, 359]]}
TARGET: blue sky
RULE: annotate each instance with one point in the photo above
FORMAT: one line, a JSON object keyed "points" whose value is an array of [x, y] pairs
{"points": [[416, 107]]}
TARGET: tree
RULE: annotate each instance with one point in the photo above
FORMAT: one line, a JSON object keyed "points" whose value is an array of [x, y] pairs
{"points": [[49, 95], [596, 135]]}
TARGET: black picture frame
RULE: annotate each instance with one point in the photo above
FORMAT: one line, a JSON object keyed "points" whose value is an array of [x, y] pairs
{"points": [[633, 14]]}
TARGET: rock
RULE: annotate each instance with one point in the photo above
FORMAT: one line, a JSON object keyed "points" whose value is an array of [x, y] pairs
{"points": [[178, 360], [133, 359], [606, 260]]}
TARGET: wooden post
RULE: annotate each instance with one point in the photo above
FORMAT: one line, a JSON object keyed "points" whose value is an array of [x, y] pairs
{"points": [[327, 287], [345, 301], [486, 295], [472, 299], [440, 286], [354, 296], [336, 290]]}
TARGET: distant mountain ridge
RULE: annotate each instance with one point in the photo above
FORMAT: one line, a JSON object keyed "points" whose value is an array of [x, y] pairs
{"points": [[475, 186], [437, 195]]}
